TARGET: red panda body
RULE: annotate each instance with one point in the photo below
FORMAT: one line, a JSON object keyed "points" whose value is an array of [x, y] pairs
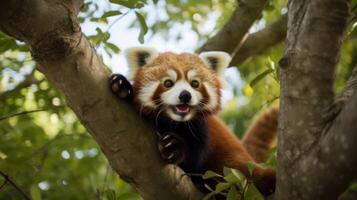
{"points": [[180, 94]]}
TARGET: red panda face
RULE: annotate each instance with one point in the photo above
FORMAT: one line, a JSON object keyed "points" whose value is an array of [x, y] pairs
{"points": [[177, 86]]}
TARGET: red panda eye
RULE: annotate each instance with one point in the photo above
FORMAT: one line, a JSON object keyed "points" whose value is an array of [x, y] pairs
{"points": [[195, 84], [168, 83]]}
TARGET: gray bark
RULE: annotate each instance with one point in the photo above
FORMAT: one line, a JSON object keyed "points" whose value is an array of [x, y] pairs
{"points": [[315, 156], [317, 135], [67, 59]]}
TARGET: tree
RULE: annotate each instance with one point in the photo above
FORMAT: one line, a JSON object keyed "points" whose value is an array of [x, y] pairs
{"points": [[64, 55]]}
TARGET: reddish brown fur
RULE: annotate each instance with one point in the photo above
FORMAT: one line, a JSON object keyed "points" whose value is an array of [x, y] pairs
{"points": [[227, 150], [261, 134], [181, 63], [224, 148]]}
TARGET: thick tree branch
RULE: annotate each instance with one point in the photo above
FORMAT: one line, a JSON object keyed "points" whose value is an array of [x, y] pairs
{"points": [[335, 151], [314, 36], [243, 17], [261, 41], [67, 59]]}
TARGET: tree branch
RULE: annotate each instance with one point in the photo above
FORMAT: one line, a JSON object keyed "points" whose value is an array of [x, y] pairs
{"points": [[22, 113], [335, 151], [243, 17], [314, 36], [259, 42], [68, 60], [13, 184]]}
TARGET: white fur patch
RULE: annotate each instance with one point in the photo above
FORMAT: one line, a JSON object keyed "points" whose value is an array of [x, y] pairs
{"points": [[191, 74], [212, 92], [146, 92], [222, 60], [132, 56], [171, 97], [172, 74]]}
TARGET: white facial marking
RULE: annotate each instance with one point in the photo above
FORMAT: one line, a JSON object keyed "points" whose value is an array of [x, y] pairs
{"points": [[171, 97], [172, 74], [191, 74], [146, 93], [212, 92]]}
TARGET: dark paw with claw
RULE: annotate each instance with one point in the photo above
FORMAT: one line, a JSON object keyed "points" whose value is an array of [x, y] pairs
{"points": [[120, 86], [172, 148]]}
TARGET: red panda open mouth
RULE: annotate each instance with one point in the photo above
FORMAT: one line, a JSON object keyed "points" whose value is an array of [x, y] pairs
{"points": [[181, 109]]}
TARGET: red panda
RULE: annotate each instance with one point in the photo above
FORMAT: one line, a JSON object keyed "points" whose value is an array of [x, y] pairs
{"points": [[181, 95]]}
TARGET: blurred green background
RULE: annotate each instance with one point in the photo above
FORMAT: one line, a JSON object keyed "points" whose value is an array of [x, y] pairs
{"points": [[43, 146]]}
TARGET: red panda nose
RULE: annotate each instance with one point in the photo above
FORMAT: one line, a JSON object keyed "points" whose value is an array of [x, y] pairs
{"points": [[185, 96]]}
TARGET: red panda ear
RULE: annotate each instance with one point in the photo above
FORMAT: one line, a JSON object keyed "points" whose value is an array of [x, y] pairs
{"points": [[139, 56], [216, 60]]}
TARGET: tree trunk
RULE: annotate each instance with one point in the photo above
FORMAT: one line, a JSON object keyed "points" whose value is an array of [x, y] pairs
{"points": [[315, 150], [317, 133], [67, 59]]}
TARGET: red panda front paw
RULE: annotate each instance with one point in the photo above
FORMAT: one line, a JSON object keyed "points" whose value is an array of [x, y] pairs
{"points": [[171, 148], [120, 86]]}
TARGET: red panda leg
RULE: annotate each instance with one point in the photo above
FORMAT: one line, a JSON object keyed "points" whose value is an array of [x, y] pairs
{"points": [[120, 86], [172, 148]]}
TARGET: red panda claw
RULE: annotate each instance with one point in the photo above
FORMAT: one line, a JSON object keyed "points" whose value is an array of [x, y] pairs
{"points": [[170, 156], [166, 137], [168, 144]]}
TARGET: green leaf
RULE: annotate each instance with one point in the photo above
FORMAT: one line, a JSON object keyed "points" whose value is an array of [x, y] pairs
{"points": [[272, 158], [113, 47], [144, 27], [210, 174], [253, 193], [260, 77], [250, 166], [35, 193], [271, 64], [231, 178], [111, 13], [239, 175], [233, 194], [110, 194], [129, 3], [222, 186], [209, 196]]}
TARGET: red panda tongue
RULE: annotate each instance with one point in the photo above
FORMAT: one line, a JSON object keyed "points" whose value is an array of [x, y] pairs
{"points": [[182, 108]]}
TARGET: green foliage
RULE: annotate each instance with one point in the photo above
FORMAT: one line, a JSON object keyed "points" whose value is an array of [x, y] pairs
{"points": [[234, 184], [129, 3], [111, 13], [144, 27], [50, 154]]}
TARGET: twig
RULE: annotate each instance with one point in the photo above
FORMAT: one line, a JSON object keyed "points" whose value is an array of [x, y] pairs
{"points": [[12, 183], [105, 180], [23, 113], [112, 24], [117, 19], [3, 184]]}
